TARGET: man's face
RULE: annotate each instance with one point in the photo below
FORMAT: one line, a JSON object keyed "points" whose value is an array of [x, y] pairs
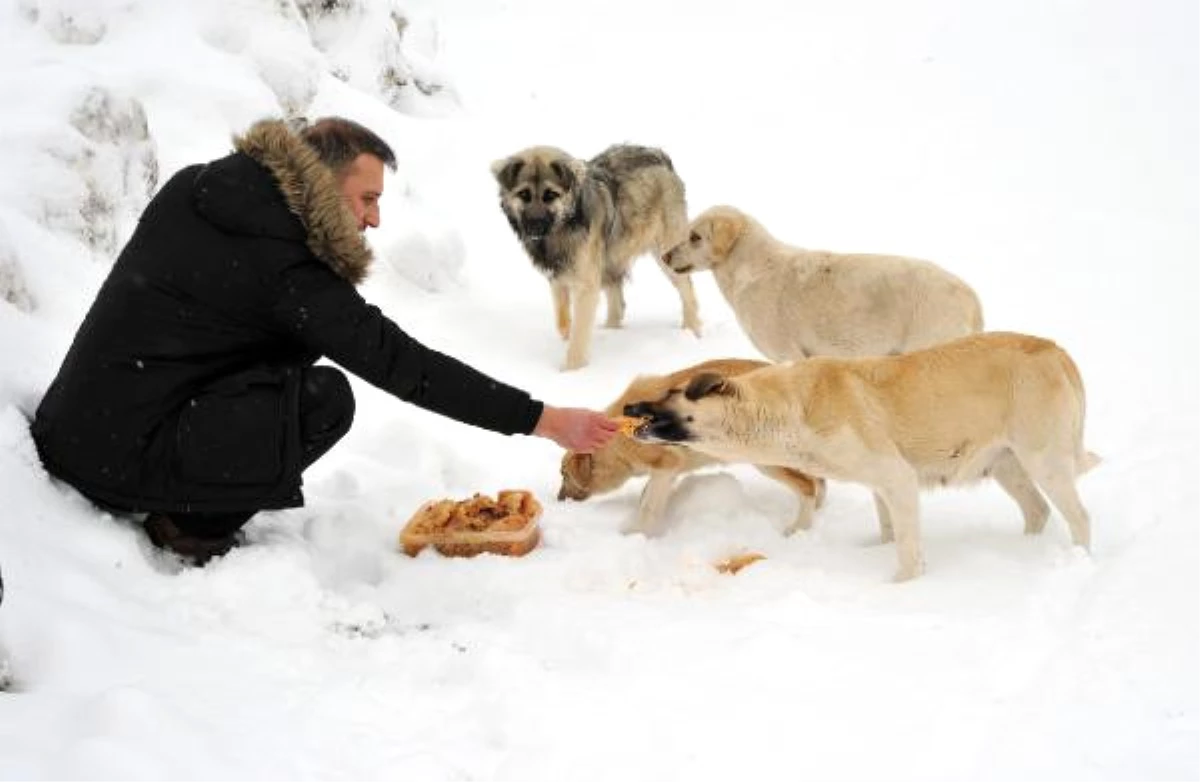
{"points": [[362, 186]]}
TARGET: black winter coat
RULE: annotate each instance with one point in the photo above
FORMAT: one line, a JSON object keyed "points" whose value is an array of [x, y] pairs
{"points": [[240, 273]]}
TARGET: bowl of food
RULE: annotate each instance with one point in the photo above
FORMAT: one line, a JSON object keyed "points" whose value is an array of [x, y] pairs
{"points": [[505, 525]]}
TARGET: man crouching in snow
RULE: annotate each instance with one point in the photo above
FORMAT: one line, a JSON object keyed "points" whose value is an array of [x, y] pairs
{"points": [[190, 391]]}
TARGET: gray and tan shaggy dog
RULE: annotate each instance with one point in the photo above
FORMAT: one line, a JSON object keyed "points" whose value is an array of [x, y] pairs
{"points": [[584, 223]]}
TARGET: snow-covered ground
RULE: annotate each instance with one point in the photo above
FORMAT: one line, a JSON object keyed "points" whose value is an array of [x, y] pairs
{"points": [[1044, 151]]}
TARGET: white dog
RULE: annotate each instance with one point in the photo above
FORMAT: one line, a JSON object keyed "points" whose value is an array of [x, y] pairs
{"points": [[794, 303]]}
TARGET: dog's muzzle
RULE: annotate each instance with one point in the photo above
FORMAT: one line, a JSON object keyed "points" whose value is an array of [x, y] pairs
{"points": [[669, 259], [535, 228], [663, 426]]}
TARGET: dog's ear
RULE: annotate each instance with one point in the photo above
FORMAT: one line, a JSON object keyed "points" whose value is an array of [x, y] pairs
{"points": [[576, 476], [726, 231], [583, 464], [506, 171], [707, 383], [578, 467], [564, 174]]}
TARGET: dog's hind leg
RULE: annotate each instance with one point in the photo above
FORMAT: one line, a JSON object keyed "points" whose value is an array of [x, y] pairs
{"points": [[687, 297], [1056, 477], [1012, 477], [615, 294], [887, 533], [675, 232], [562, 308], [809, 491]]}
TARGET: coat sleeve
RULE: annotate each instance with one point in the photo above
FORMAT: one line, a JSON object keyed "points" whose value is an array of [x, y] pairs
{"points": [[328, 315]]}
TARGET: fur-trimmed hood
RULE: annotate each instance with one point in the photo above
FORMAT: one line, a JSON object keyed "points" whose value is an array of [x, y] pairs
{"points": [[311, 193]]}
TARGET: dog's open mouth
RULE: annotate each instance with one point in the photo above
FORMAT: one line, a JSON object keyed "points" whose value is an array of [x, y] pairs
{"points": [[535, 229], [661, 426], [642, 430]]}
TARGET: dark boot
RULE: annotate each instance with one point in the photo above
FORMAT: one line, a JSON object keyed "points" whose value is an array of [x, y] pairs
{"points": [[193, 548]]}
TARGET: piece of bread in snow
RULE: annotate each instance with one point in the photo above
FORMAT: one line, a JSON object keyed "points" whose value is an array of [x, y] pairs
{"points": [[735, 563]]}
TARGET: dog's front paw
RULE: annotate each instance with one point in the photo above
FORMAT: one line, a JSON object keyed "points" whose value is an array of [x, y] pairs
{"points": [[637, 528], [908, 572], [693, 326], [574, 362], [802, 523]]}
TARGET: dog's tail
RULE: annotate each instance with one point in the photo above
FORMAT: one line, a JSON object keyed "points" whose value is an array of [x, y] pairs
{"points": [[1085, 460]]}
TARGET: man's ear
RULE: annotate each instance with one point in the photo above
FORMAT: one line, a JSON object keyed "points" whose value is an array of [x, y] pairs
{"points": [[507, 170], [725, 233], [708, 383]]}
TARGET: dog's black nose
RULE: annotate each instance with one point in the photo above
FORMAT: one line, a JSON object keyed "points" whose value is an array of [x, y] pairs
{"points": [[667, 256], [537, 224], [639, 410]]}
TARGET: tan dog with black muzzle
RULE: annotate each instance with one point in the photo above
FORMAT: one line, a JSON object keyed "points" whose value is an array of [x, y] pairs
{"points": [[1003, 405]]}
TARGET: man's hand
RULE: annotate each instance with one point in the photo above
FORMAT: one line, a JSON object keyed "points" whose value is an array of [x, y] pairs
{"points": [[575, 429]]}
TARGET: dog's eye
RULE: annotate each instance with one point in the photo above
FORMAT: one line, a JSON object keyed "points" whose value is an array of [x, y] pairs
{"points": [[694, 238], [549, 196], [525, 195]]}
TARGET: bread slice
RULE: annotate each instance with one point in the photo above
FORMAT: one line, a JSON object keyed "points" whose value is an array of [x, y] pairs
{"points": [[736, 562], [628, 425]]}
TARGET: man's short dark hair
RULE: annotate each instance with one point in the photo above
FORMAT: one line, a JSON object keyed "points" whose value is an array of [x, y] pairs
{"points": [[338, 141]]}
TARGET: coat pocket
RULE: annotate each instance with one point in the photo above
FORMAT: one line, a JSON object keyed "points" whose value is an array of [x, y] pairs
{"points": [[234, 432]]}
